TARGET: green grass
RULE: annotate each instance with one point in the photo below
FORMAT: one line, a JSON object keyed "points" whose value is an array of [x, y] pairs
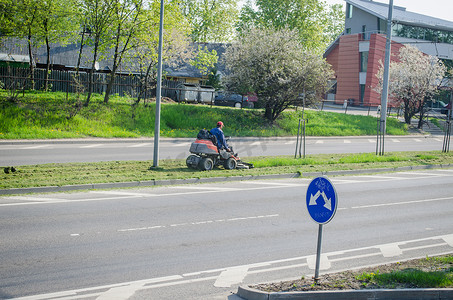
{"points": [[52, 115], [442, 277], [127, 171]]}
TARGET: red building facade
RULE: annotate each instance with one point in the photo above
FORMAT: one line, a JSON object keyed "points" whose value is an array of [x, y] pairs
{"points": [[356, 63]]}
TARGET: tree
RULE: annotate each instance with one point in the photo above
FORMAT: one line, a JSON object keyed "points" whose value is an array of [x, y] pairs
{"points": [[315, 25], [98, 14], [211, 21], [56, 25], [272, 64], [205, 60], [175, 45], [414, 79], [127, 16]]}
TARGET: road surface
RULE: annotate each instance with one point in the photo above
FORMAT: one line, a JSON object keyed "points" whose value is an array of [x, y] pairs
{"points": [[203, 241]]}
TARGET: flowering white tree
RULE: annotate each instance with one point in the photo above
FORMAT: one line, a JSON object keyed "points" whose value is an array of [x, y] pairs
{"points": [[414, 79], [274, 65]]}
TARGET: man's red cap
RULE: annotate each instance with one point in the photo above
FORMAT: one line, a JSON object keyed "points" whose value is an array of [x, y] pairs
{"points": [[220, 123]]}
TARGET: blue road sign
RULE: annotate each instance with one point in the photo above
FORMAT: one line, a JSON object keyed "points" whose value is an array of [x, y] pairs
{"points": [[321, 200]]}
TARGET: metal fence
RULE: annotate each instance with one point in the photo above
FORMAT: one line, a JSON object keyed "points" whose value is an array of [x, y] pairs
{"points": [[70, 82]]}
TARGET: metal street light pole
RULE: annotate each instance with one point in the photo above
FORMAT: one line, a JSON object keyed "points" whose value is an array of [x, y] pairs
{"points": [[158, 89], [384, 95]]}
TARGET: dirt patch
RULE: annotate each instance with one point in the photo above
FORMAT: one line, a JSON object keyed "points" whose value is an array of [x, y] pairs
{"points": [[355, 280]]}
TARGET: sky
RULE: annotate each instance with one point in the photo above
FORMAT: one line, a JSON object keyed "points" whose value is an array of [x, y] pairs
{"points": [[442, 9]]}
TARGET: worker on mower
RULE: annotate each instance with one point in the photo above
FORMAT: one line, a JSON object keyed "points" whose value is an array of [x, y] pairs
{"points": [[218, 133]]}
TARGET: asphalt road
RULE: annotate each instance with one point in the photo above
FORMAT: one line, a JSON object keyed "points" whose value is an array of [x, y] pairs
{"points": [[17, 153], [202, 241]]}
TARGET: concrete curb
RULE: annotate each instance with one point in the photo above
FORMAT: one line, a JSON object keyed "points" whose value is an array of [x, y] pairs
{"points": [[95, 186], [377, 294]]}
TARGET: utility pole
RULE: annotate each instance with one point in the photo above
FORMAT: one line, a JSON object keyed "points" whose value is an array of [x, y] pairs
{"points": [[385, 88], [158, 89]]}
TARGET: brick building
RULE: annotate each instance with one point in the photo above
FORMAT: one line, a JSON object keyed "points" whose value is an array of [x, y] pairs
{"points": [[355, 55]]}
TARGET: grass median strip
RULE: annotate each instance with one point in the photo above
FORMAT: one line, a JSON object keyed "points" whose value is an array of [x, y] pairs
{"points": [[128, 171]]}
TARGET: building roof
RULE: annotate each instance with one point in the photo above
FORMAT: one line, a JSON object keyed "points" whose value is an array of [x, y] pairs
{"points": [[401, 15]]}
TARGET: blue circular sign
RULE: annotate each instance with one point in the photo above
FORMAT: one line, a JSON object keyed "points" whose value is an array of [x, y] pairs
{"points": [[321, 200]]}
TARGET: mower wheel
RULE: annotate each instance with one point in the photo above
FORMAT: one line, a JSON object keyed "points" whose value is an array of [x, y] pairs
{"points": [[191, 161], [230, 164], [206, 164]]}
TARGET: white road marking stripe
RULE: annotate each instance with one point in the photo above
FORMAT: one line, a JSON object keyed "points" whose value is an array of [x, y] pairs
{"points": [[139, 145], [182, 144], [402, 203], [319, 142], [347, 141], [390, 250], [423, 173], [255, 143], [35, 147], [199, 187], [418, 140], [231, 276], [439, 140], [371, 141], [91, 146], [395, 140], [198, 223], [290, 142]]}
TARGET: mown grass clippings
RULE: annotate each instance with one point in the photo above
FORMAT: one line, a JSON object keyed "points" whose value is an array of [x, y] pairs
{"points": [[127, 171]]}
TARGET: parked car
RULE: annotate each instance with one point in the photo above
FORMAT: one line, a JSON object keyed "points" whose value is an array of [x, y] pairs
{"points": [[232, 99], [445, 109]]}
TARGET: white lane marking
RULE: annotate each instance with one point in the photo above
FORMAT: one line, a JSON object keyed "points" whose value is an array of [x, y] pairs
{"points": [[91, 146], [139, 145], [324, 263], [319, 142], [35, 147], [347, 141], [199, 187], [439, 140], [231, 276], [395, 140], [258, 143], [418, 140], [290, 142], [425, 173], [371, 141], [390, 250], [182, 144], [198, 223], [121, 193], [402, 203], [281, 184]]}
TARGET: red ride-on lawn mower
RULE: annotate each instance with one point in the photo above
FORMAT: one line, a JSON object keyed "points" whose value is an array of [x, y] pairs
{"points": [[205, 155]]}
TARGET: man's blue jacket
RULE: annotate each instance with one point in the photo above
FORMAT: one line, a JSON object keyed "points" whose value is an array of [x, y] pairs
{"points": [[221, 142]]}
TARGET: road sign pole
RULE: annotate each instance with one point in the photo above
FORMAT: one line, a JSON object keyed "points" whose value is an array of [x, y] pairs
{"points": [[318, 254]]}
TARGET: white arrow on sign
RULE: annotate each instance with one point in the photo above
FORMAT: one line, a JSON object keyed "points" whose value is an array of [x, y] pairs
{"points": [[327, 201]]}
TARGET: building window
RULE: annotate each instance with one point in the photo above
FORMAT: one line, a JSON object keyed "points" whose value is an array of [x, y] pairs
{"points": [[382, 26], [422, 33], [348, 30], [364, 35], [348, 11], [362, 93], [363, 61]]}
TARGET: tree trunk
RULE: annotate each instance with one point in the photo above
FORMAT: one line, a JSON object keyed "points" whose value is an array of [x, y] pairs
{"points": [[116, 62], [90, 75], [30, 55], [46, 85]]}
